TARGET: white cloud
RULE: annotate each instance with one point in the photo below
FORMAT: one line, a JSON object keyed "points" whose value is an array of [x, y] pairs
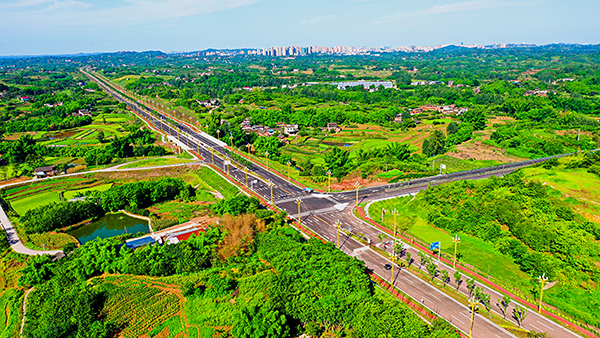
{"points": [[321, 19], [56, 13], [455, 7]]}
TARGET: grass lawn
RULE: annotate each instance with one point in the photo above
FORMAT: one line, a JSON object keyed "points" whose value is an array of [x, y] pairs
{"points": [[72, 193], [218, 183], [455, 164], [154, 162], [180, 210], [37, 200], [481, 255]]}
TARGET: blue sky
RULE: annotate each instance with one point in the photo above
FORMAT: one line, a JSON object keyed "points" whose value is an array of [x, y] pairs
{"points": [[33, 27]]}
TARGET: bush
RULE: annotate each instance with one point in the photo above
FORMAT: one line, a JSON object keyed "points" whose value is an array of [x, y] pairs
{"points": [[59, 215]]}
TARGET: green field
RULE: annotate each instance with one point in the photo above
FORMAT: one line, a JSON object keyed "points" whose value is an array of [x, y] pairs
{"points": [[22, 205], [482, 256], [218, 183], [155, 162], [73, 193], [183, 212]]}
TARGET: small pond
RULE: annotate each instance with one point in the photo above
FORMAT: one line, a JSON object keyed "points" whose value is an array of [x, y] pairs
{"points": [[110, 225], [338, 144]]}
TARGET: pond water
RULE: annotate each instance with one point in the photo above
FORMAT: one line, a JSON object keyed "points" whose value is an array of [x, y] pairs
{"points": [[110, 225], [338, 144]]}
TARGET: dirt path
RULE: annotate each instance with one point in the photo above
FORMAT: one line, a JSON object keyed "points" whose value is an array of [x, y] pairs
{"points": [[24, 311]]}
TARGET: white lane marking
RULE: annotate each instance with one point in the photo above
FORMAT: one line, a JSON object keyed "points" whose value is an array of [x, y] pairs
{"points": [[458, 320], [537, 328], [545, 325], [434, 296]]}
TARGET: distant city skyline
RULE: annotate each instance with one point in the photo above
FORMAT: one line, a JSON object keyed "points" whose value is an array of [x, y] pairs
{"points": [[36, 27]]}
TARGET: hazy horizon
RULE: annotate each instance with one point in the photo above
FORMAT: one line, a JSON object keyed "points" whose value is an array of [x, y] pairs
{"points": [[55, 27]]}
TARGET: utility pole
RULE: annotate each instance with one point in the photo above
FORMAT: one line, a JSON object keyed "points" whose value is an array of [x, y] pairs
{"points": [[456, 240], [329, 174], [299, 201], [543, 280], [433, 166], [357, 186], [338, 224], [289, 164]]}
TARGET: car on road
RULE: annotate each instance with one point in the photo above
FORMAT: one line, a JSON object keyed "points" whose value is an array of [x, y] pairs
{"points": [[387, 266]]}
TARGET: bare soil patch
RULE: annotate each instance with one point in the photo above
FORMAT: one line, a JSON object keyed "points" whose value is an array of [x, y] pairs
{"points": [[479, 151]]}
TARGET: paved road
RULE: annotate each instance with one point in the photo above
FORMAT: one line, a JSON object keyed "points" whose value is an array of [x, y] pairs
{"points": [[320, 211], [15, 241]]}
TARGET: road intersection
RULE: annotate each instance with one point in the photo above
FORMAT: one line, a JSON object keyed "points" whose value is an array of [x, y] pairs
{"points": [[320, 211]]}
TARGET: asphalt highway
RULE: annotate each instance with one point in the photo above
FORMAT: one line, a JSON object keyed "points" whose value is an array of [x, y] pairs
{"points": [[319, 212]]}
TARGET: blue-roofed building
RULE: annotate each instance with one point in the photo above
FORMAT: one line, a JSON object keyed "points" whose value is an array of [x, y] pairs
{"points": [[138, 242]]}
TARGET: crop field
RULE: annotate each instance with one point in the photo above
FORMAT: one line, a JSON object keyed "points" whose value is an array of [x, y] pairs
{"points": [[50, 241], [142, 305]]}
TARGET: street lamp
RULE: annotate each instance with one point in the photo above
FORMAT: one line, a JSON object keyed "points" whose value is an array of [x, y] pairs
{"points": [[246, 171], [271, 185], [299, 201], [338, 224], [395, 213], [474, 307], [231, 138], [267, 157], [357, 186], [329, 174], [218, 133], [212, 152], [249, 145], [227, 161], [289, 164], [543, 280], [456, 240]]}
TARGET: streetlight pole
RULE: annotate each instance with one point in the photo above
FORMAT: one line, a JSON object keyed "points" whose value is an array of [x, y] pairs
{"points": [[271, 185], [231, 138], [456, 240], [299, 201], [288, 164], [227, 162], [543, 280], [248, 145], [212, 152], [246, 171], [338, 224], [357, 186], [395, 213], [329, 174], [473, 307], [267, 157], [218, 133]]}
